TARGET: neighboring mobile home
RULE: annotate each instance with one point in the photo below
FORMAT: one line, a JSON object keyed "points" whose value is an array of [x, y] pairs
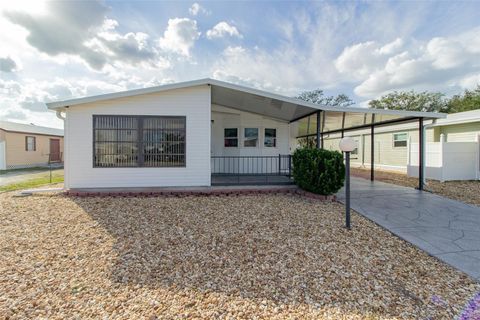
{"points": [[396, 147], [193, 133], [28, 145]]}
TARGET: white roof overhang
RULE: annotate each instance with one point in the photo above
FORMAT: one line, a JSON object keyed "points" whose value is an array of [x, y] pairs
{"points": [[268, 104]]}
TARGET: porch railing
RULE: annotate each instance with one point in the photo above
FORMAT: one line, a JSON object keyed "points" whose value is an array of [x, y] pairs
{"points": [[252, 169]]}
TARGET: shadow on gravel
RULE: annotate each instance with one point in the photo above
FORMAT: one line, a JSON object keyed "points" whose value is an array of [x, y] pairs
{"points": [[282, 249]]}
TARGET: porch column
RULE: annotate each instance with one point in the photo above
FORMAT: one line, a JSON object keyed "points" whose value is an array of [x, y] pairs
{"points": [[372, 149], [318, 131], [420, 153]]}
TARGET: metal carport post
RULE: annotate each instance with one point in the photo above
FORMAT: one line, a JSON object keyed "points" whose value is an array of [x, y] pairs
{"points": [[420, 153], [372, 149]]}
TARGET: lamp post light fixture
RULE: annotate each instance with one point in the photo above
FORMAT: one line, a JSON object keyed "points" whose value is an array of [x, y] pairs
{"points": [[347, 145]]}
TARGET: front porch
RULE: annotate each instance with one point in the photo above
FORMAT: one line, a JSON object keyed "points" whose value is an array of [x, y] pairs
{"points": [[251, 170]]}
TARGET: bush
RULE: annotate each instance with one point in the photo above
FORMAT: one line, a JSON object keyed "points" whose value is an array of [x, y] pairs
{"points": [[319, 171]]}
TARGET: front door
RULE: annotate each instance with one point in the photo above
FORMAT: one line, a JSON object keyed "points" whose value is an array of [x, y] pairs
{"points": [[54, 150]]}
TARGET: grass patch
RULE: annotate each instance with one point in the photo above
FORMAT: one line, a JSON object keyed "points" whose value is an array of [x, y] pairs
{"points": [[57, 177], [24, 169]]}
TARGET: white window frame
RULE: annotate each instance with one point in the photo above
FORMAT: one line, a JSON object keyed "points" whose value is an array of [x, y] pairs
{"points": [[396, 140], [245, 138], [33, 143], [231, 138], [275, 139]]}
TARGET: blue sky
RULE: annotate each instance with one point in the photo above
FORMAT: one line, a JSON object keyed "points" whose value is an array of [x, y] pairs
{"points": [[59, 50]]}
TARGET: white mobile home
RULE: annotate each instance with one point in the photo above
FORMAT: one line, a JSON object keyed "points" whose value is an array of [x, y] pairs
{"points": [[194, 134]]}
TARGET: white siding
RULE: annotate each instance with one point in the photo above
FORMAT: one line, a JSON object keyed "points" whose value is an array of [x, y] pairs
{"points": [[194, 103], [230, 118], [223, 118]]}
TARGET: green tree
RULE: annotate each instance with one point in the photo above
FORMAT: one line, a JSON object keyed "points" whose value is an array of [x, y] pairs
{"points": [[411, 101], [468, 100], [318, 96]]}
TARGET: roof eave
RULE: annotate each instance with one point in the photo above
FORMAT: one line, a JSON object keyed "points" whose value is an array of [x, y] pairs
{"points": [[58, 105]]}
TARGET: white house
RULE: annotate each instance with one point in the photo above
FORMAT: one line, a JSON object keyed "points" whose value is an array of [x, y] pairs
{"points": [[196, 133]]}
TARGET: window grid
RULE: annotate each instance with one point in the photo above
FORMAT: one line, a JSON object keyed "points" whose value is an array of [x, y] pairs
{"points": [[139, 141]]}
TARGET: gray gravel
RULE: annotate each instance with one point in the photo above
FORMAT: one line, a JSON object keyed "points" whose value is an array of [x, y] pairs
{"points": [[247, 257]]}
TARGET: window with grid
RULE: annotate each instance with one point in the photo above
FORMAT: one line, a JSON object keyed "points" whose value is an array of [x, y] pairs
{"points": [[30, 143], [139, 141]]}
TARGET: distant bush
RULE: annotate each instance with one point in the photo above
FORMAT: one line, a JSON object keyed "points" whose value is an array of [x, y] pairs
{"points": [[319, 171]]}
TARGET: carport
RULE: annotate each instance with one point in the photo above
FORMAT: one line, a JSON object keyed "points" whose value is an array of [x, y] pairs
{"points": [[340, 120]]}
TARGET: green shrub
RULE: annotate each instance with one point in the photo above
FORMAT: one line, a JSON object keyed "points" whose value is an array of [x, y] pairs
{"points": [[318, 170]]}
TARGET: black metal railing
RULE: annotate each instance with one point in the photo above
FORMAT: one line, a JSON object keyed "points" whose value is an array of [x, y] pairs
{"points": [[251, 169]]}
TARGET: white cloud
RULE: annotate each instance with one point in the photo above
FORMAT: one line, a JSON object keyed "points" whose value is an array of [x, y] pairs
{"points": [[223, 29], [196, 8], [87, 33], [438, 64], [180, 36], [360, 60]]}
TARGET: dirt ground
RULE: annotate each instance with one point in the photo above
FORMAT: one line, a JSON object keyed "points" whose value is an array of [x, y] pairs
{"points": [[244, 257], [465, 191]]}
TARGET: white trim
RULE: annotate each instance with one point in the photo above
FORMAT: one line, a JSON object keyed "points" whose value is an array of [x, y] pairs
{"points": [[393, 140], [66, 103]]}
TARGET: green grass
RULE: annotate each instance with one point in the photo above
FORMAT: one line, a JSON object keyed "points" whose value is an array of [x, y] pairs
{"points": [[57, 177], [24, 169]]}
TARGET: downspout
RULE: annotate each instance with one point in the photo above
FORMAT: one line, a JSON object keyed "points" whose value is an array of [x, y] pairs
{"points": [[424, 148]]}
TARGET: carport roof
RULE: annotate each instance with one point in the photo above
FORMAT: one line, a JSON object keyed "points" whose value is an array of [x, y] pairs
{"points": [[268, 104]]}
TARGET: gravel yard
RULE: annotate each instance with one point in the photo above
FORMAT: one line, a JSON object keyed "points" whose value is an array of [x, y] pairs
{"points": [[264, 256], [465, 191]]}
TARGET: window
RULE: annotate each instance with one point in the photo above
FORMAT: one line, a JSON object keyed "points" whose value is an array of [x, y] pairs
{"points": [[270, 138], [30, 143], [250, 137], [400, 140], [231, 137], [139, 141]]}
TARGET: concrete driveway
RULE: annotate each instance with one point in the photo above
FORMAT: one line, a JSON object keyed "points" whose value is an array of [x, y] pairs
{"points": [[444, 228]]}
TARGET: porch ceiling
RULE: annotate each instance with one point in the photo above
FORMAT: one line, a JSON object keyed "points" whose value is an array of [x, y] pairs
{"points": [[333, 119]]}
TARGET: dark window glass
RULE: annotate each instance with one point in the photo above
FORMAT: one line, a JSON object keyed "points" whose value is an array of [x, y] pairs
{"points": [[139, 141], [250, 137], [231, 137], [270, 138]]}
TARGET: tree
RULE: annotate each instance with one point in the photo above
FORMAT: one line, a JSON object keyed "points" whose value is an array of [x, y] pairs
{"points": [[317, 96], [469, 100], [411, 101]]}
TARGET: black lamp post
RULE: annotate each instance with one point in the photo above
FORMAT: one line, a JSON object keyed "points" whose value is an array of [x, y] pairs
{"points": [[347, 145]]}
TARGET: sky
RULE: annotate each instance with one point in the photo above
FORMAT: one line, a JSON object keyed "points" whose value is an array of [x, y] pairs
{"points": [[59, 50]]}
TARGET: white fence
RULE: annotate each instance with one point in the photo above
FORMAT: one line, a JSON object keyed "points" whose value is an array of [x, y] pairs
{"points": [[446, 161]]}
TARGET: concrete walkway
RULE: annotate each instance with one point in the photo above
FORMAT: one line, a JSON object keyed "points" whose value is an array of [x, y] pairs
{"points": [[444, 228]]}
